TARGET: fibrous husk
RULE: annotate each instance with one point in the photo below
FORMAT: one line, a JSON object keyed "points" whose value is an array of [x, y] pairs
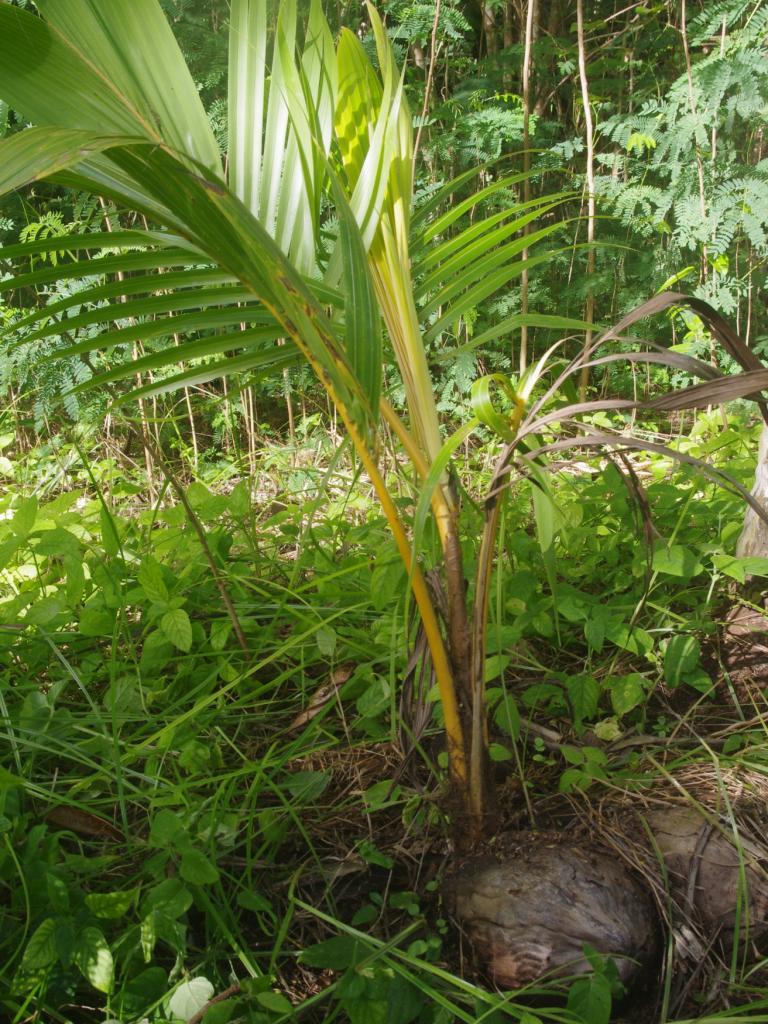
{"points": [[530, 913], [698, 837], [694, 844], [718, 875]]}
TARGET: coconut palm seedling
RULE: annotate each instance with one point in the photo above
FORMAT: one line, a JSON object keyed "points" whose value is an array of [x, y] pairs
{"points": [[235, 255], [242, 250]]}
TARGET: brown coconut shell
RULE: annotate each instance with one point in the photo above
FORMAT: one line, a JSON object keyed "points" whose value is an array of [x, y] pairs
{"points": [[719, 875], [708, 824], [530, 914]]}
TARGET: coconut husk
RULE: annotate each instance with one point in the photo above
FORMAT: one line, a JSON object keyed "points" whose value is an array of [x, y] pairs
{"points": [[698, 838], [528, 912], [694, 843]]}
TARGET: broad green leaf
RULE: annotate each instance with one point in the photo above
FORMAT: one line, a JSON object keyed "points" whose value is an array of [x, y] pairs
{"points": [[111, 905], [495, 666], [254, 901], [405, 1001], [362, 321], [247, 93], [196, 868], [58, 894], [636, 640], [507, 717], [38, 153], [275, 1002], [594, 632], [45, 78], [627, 692], [740, 568], [150, 578], [497, 752], [24, 516], [93, 957], [170, 896], [189, 998], [176, 626], [41, 948], [306, 786], [58, 541], [45, 610], [326, 638], [335, 954], [166, 829], [132, 49], [96, 622], [219, 633], [584, 695], [240, 500], [144, 989], [590, 999], [676, 560], [681, 657], [110, 537]]}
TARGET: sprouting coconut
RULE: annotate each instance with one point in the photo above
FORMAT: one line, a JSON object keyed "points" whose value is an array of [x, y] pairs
{"points": [[531, 913], [689, 857]]}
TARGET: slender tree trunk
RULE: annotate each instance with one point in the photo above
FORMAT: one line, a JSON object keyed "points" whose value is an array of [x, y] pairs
{"points": [[434, 48], [249, 418], [529, 22], [145, 430], [489, 28], [697, 148], [190, 414], [509, 24], [289, 406], [754, 533], [589, 311]]}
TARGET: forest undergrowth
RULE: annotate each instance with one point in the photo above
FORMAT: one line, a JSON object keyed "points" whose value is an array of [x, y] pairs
{"points": [[202, 827]]}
